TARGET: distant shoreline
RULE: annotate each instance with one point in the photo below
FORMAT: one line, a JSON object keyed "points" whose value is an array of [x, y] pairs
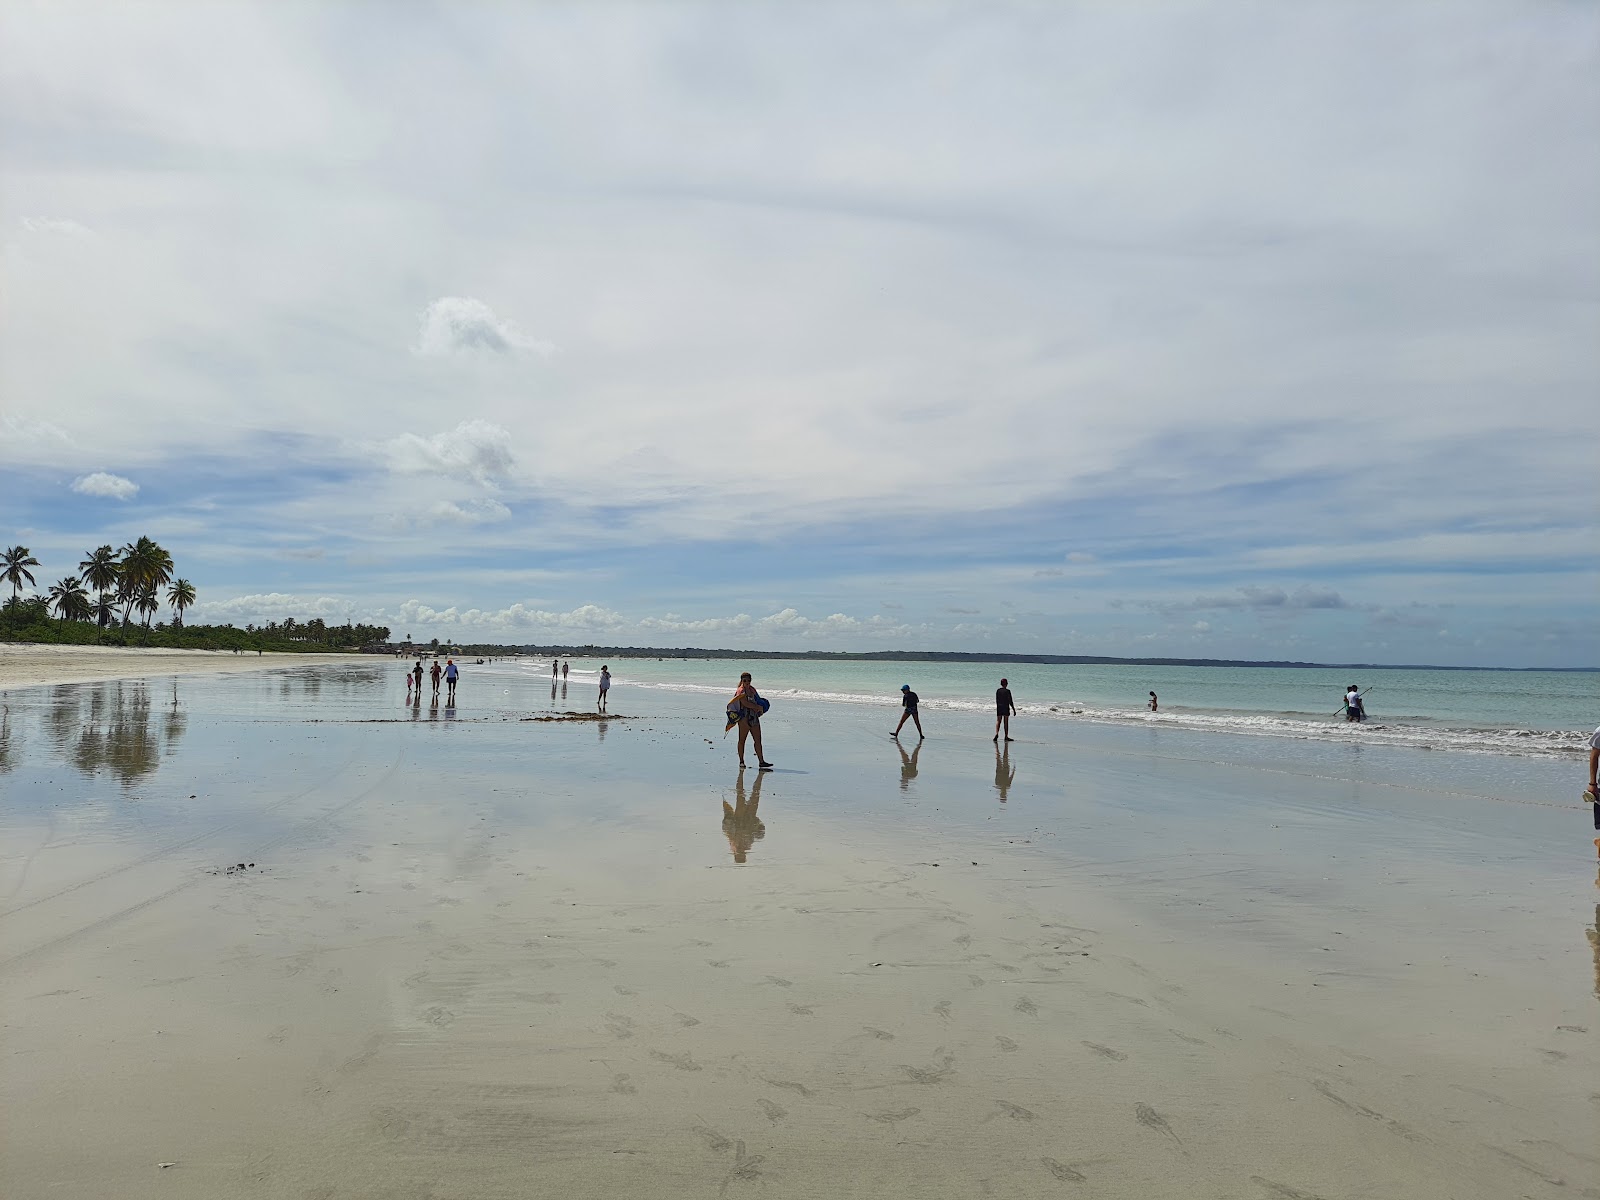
{"points": [[1068, 660]]}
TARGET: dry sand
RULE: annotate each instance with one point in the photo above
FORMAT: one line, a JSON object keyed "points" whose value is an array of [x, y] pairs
{"points": [[32, 665], [424, 991]]}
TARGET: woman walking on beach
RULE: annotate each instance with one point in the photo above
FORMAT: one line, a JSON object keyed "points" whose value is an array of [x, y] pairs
{"points": [[605, 686], [435, 672], [416, 675], [745, 709]]}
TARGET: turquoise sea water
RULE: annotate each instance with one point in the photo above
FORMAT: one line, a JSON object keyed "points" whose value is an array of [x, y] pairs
{"points": [[1516, 712]]}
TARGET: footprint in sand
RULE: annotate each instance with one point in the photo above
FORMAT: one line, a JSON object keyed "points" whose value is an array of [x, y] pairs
{"points": [[883, 1035], [1005, 1044], [942, 1009], [774, 1112], [1150, 1118], [1015, 1111], [774, 980], [714, 1139], [800, 1010], [789, 1085], [891, 1118], [684, 1062], [439, 1018], [623, 991], [1063, 1172], [1026, 1007], [1107, 1052], [686, 1020], [719, 962], [620, 1085], [941, 1070]]}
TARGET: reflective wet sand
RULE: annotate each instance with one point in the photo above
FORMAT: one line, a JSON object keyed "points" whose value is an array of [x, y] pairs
{"points": [[476, 956]]}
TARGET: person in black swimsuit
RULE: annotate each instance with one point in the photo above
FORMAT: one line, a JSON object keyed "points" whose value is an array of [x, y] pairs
{"points": [[908, 698], [1003, 708]]}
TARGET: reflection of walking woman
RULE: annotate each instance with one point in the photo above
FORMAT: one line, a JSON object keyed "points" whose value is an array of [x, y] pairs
{"points": [[746, 703], [740, 824]]}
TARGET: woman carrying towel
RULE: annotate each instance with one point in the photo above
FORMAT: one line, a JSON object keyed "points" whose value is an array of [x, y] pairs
{"points": [[746, 708]]}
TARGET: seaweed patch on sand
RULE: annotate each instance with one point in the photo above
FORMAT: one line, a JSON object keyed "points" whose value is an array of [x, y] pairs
{"points": [[578, 716]]}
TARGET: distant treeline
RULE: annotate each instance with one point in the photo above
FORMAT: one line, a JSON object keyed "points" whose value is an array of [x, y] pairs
{"points": [[29, 620]]}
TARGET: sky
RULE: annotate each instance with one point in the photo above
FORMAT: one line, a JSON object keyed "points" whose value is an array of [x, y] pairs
{"points": [[1244, 330]]}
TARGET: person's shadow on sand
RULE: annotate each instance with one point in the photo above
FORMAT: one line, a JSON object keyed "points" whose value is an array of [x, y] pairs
{"points": [[908, 765], [740, 824], [1004, 773]]}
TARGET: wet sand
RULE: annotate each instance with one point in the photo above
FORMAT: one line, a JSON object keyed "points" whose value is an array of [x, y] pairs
{"points": [[26, 665], [478, 957]]}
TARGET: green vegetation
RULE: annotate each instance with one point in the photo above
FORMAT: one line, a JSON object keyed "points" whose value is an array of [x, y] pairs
{"points": [[130, 580]]}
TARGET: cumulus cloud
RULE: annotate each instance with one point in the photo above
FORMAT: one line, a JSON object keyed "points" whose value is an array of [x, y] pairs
{"points": [[476, 449], [462, 325], [591, 621], [102, 483], [263, 607]]}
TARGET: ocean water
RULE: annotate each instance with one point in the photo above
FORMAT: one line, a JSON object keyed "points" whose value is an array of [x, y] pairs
{"points": [[1506, 712]]}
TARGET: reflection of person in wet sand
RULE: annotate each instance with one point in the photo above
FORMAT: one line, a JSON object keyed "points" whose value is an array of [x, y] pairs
{"points": [[740, 824], [1004, 773], [908, 765], [1593, 934]]}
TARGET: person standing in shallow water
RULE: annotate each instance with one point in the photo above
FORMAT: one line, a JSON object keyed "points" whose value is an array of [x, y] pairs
{"points": [[1004, 706], [605, 686], [451, 674], [416, 675], [564, 667], [1153, 703], [435, 672]]}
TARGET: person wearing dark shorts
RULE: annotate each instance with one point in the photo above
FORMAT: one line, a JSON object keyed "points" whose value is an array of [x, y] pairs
{"points": [[1003, 708], [909, 699], [1592, 793]]}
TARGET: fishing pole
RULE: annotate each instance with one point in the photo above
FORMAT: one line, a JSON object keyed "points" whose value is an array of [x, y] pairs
{"points": [[1344, 708]]}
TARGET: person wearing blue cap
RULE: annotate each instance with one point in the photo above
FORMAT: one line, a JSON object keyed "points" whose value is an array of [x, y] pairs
{"points": [[909, 699]]}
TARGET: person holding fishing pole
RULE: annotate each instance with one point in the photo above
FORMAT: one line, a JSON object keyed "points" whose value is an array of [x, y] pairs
{"points": [[1354, 710]]}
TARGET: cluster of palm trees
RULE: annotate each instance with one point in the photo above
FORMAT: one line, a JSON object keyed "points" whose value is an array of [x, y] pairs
{"points": [[112, 584]]}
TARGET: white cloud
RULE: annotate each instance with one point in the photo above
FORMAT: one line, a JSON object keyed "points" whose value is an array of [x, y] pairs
{"points": [[274, 606], [1262, 599], [56, 227], [102, 483], [476, 449], [460, 324], [470, 512]]}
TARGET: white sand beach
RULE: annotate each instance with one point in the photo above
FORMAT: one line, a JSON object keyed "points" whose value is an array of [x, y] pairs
{"points": [[28, 665], [474, 956]]}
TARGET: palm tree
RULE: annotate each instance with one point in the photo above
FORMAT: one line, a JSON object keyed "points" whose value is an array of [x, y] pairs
{"points": [[180, 595], [145, 565], [100, 569], [17, 560], [148, 603], [104, 610], [70, 599]]}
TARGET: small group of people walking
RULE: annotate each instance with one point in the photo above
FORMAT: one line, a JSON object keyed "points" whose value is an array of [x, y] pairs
{"points": [[448, 674], [1354, 709], [1004, 709]]}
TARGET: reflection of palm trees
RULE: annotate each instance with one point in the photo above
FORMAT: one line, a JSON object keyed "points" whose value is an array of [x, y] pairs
{"points": [[5, 740], [176, 721], [908, 764], [740, 824], [1004, 773], [115, 735]]}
